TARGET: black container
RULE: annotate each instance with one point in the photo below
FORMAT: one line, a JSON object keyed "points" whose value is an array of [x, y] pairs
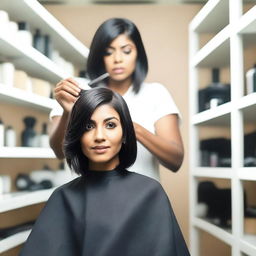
{"points": [[48, 47], [28, 136], [22, 25], [216, 152], [39, 42], [215, 94]]}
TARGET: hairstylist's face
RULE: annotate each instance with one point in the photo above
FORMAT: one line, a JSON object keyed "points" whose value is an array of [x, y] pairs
{"points": [[120, 58], [102, 140]]}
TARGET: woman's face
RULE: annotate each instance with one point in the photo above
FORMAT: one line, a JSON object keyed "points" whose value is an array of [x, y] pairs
{"points": [[102, 140], [120, 58]]}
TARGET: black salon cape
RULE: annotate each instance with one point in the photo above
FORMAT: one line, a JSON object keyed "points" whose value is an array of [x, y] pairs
{"points": [[107, 213]]}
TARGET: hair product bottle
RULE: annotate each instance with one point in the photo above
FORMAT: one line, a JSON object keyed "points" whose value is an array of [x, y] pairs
{"points": [[44, 137], [48, 46], [251, 80], [7, 70], [28, 136], [4, 21], [38, 41], [24, 35], [1, 133], [214, 94], [10, 137]]}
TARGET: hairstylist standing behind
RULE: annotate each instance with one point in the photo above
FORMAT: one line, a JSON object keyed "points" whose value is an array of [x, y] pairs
{"points": [[117, 49]]}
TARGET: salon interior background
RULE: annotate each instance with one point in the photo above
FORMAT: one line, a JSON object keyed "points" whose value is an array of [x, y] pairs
{"points": [[157, 19], [164, 27]]}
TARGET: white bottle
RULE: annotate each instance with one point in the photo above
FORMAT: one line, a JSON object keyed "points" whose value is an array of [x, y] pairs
{"points": [[10, 137], [13, 28], [7, 73], [251, 80], [1, 133], [44, 137], [24, 36], [4, 21]]}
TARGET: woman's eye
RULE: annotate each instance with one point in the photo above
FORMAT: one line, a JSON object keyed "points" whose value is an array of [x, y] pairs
{"points": [[89, 126], [127, 51], [108, 52], [110, 125]]}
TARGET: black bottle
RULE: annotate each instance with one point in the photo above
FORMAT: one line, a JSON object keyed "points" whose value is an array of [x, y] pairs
{"points": [[219, 93], [48, 47], [28, 137], [38, 41], [215, 94], [22, 25]]}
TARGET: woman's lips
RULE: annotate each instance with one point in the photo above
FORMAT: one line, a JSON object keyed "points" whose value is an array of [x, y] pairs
{"points": [[118, 70], [100, 149]]}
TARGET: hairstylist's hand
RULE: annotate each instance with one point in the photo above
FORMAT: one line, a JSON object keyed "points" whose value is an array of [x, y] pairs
{"points": [[66, 93]]}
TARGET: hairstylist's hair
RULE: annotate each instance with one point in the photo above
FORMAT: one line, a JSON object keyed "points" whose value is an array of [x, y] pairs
{"points": [[81, 115], [102, 39]]}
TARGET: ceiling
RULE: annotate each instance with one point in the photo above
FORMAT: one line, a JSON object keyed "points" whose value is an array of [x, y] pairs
{"points": [[85, 2]]}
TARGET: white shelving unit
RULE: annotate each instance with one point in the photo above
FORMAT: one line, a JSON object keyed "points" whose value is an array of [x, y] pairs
{"points": [[36, 64], [22, 98], [233, 30], [17, 200], [26, 152], [34, 13], [13, 241], [30, 60]]}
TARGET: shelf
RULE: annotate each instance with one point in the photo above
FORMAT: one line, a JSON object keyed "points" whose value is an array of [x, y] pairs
{"points": [[247, 173], [18, 200], [232, 39], [214, 230], [248, 105], [13, 241], [216, 53], [213, 172], [28, 59], [22, 98], [26, 152], [219, 116], [212, 18], [247, 23], [34, 13], [248, 244]]}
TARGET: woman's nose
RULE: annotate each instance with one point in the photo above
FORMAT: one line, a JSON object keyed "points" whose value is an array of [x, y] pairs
{"points": [[99, 134], [118, 57]]}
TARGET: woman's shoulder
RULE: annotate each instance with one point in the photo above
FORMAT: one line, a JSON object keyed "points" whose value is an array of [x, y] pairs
{"points": [[70, 187], [153, 88], [140, 180]]}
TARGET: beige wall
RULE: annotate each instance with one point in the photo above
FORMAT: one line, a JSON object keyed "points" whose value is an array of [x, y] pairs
{"points": [[164, 31]]}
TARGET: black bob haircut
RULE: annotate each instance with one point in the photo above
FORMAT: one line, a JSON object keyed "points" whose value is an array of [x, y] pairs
{"points": [[81, 114], [105, 34]]}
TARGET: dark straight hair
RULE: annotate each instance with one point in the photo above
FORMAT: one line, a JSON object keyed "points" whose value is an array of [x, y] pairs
{"points": [[81, 115], [105, 34]]}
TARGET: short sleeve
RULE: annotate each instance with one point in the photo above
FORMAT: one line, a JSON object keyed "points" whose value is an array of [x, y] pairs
{"points": [[57, 110], [164, 103]]}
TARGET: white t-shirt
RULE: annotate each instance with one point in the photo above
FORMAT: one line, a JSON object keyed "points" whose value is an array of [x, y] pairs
{"points": [[146, 107]]}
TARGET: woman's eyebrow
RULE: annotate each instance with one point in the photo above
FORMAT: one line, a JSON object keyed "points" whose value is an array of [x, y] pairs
{"points": [[110, 118], [105, 120], [111, 47]]}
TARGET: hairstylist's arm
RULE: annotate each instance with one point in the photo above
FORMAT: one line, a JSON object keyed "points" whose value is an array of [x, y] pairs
{"points": [[66, 93], [166, 144]]}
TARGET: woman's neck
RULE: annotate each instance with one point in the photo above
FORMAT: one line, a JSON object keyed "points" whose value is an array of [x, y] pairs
{"points": [[120, 87]]}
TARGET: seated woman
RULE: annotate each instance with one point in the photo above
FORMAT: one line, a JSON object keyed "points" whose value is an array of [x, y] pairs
{"points": [[107, 211]]}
